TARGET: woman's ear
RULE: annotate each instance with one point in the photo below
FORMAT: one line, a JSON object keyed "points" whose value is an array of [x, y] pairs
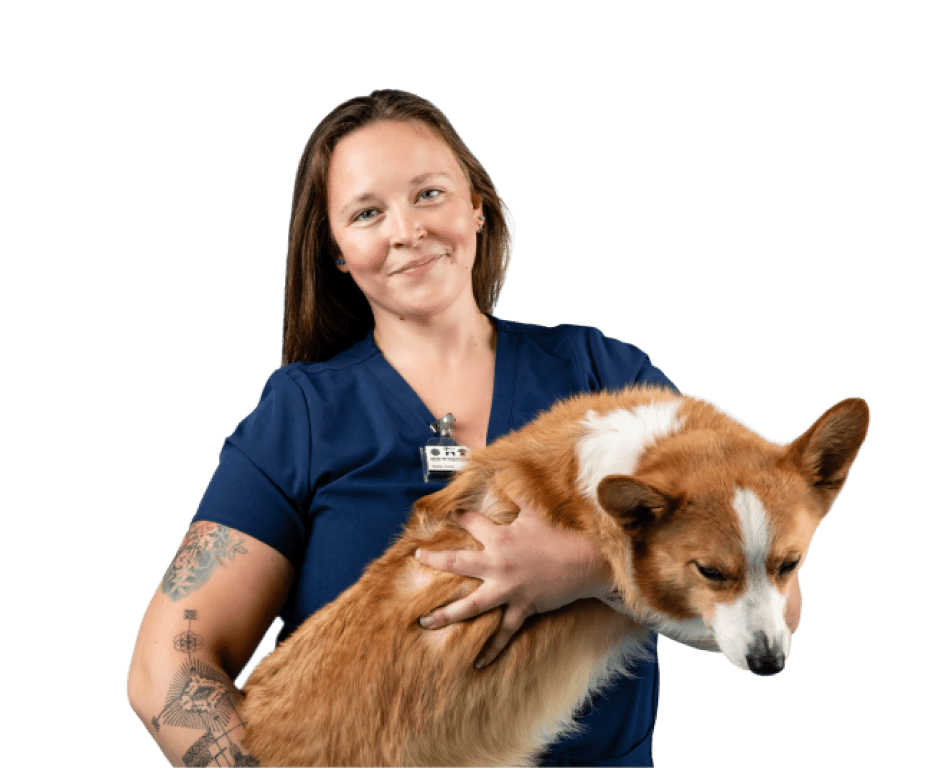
{"points": [[477, 213]]}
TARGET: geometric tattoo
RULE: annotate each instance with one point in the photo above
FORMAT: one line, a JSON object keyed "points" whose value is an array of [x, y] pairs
{"points": [[201, 697], [188, 641], [198, 698], [205, 546]]}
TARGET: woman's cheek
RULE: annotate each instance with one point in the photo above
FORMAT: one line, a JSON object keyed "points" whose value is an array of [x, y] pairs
{"points": [[364, 253]]}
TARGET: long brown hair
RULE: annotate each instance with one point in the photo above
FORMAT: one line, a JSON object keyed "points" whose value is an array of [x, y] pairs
{"points": [[325, 312]]}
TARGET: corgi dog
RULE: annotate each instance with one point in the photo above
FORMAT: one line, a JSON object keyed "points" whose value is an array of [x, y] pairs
{"points": [[702, 522]]}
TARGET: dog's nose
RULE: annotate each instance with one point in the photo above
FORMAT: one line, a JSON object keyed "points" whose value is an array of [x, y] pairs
{"points": [[765, 665], [762, 659]]}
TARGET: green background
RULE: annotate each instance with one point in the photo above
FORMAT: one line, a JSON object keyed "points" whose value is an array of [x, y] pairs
{"points": [[735, 188]]}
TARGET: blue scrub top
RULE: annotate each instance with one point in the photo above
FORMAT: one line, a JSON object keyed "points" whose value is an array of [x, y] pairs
{"points": [[327, 467]]}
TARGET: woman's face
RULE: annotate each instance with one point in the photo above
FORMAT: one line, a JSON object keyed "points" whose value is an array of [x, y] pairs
{"points": [[404, 219]]}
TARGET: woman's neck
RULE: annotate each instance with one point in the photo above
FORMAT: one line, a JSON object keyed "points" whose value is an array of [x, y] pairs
{"points": [[450, 343], [450, 366]]}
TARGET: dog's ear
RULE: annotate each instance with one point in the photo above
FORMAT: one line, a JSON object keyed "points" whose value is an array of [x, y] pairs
{"points": [[824, 453], [634, 504]]}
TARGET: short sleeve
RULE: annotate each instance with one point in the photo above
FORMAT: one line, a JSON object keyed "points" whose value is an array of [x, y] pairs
{"points": [[261, 486], [652, 375], [618, 364]]}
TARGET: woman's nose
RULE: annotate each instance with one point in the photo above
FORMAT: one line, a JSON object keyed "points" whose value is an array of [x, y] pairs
{"points": [[406, 229]]}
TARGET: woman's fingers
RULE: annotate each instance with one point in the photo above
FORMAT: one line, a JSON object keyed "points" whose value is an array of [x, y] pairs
{"points": [[478, 525], [465, 561], [461, 562], [511, 621], [468, 563], [470, 606]]}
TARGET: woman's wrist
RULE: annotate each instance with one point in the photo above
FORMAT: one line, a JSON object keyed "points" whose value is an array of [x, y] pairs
{"points": [[600, 584], [613, 599]]}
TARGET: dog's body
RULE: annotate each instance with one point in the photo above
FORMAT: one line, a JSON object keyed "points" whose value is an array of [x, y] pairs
{"points": [[702, 522]]}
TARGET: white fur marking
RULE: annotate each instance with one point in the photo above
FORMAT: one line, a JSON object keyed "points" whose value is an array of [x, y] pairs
{"points": [[614, 442], [760, 608], [753, 519]]}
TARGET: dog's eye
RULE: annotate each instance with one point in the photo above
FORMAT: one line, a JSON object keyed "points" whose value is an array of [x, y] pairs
{"points": [[711, 573], [788, 566]]}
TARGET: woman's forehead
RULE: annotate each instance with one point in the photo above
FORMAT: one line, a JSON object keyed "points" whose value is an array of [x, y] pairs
{"points": [[390, 152]]}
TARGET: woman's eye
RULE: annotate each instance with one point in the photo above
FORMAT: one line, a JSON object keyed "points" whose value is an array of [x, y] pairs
{"points": [[428, 195], [364, 215]]}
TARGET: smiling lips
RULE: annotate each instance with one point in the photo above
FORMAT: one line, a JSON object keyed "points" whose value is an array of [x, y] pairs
{"points": [[411, 267]]}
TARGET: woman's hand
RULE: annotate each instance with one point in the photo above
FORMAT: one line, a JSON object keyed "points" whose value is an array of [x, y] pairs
{"points": [[528, 566]]}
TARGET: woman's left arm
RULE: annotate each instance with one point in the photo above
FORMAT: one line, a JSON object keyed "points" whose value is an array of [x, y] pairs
{"points": [[532, 566]]}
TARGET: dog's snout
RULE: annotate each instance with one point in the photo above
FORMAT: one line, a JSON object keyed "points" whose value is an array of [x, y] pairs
{"points": [[763, 658]]}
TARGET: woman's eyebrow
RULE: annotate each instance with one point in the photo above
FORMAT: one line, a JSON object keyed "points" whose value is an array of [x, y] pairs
{"points": [[364, 198], [429, 175]]}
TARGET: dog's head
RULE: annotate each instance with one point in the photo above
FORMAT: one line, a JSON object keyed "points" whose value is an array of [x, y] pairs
{"points": [[719, 523]]}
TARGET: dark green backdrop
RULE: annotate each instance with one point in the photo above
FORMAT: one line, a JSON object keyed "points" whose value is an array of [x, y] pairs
{"points": [[736, 189]]}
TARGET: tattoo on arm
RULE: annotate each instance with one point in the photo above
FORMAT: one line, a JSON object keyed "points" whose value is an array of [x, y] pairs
{"points": [[205, 546], [202, 697]]}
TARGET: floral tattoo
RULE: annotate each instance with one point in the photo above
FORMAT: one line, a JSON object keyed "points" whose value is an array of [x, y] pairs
{"points": [[205, 546]]}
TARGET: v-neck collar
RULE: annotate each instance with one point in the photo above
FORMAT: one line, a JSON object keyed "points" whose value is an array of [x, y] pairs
{"points": [[500, 416]]}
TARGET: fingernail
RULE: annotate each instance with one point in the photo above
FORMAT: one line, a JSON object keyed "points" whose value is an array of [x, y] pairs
{"points": [[426, 622]]}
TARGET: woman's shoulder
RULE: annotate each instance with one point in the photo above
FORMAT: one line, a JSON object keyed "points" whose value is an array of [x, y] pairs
{"points": [[559, 336], [353, 356], [608, 361], [306, 383]]}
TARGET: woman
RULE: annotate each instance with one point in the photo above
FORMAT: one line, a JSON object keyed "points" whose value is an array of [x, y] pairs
{"points": [[397, 250]]}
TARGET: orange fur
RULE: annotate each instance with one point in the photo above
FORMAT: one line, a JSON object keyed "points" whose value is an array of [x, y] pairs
{"points": [[360, 683]]}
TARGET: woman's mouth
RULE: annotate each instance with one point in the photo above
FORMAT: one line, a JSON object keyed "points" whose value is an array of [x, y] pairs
{"points": [[418, 266]]}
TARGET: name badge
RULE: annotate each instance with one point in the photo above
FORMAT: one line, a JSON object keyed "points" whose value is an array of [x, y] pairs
{"points": [[441, 456]]}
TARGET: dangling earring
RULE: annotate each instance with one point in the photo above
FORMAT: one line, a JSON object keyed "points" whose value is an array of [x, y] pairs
{"points": [[340, 262], [481, 224]]}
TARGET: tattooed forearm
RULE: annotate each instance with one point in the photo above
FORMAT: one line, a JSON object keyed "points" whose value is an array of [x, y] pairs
{"points": [[205, 546], [200, 755], [202, 697]]}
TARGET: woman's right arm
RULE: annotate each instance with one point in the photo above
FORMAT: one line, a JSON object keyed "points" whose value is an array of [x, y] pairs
{"points": [[219, 596]]}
